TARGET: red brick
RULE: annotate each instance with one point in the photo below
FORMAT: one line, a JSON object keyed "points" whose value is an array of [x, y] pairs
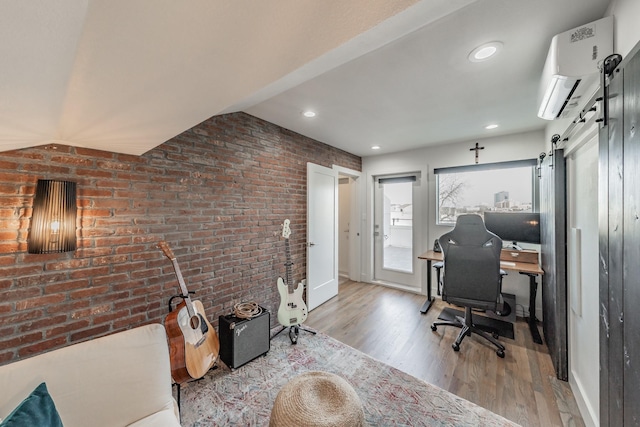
{"points": [[69, 264], [88, 292], [39, 301], [68, 307], [20, 340], [137, 319], [94, 153], [17, 294], [41, 324], [90, 311], [65, 286], [96, 192], [90, 333], [67, 327], [42, 346], [6, 357], [76, 161], [110, 317], [93, 174], [89, 272]]}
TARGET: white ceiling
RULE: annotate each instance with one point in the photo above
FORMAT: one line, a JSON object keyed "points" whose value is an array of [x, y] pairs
{"points": [[127, 75]]}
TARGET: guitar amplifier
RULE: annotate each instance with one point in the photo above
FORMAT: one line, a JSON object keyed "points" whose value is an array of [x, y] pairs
{"points": [[242, 340]]}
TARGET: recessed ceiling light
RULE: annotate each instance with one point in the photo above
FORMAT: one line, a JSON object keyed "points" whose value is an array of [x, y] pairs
{"points": [[309, 113], [489, 127], [485, 51], [375, 147]]}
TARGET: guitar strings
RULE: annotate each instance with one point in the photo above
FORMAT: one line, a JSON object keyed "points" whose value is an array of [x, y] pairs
{"points": [[247, 310]]}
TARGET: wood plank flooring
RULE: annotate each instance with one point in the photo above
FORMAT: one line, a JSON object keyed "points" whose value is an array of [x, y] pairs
{"points": [[386, 324]]}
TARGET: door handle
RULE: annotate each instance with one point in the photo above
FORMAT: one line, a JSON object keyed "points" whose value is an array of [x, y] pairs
{"points": [[311, 244]]}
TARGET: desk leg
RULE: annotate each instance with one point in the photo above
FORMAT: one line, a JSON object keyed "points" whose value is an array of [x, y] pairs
{"points": [[429, 301], [533, 292]]}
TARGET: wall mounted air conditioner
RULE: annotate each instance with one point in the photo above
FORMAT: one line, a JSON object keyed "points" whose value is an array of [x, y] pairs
{"points": [[571, 72]]}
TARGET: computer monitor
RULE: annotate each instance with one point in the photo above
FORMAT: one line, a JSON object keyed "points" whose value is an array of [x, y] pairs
{"points": [[516, 227]]}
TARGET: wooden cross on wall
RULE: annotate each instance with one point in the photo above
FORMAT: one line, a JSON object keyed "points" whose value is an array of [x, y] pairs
{"points": [[476, 149]]}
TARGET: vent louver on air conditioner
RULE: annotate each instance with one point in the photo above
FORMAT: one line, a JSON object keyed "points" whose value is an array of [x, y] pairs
{"points": [[571, 69]]}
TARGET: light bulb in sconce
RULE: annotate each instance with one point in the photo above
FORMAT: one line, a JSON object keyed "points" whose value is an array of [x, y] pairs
{"points": [[55, 230]]}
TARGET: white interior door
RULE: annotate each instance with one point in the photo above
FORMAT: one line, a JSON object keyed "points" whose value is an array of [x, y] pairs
{"points": [[322, 234]]}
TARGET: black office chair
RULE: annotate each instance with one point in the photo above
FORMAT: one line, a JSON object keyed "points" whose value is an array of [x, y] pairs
{"points": [[472, 277]]}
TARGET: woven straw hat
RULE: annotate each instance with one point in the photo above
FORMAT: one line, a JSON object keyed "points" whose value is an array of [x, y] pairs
{"points": [[317, 399]]}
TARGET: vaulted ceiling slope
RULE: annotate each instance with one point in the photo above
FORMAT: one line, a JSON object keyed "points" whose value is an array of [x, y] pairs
{"points": [[127, 75]]}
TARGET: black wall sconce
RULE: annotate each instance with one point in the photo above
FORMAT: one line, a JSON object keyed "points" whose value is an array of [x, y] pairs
{"points": [[53, 224]]}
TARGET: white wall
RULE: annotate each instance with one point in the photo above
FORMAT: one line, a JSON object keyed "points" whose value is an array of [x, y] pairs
{"points": [[497, 149], [626, 25]]}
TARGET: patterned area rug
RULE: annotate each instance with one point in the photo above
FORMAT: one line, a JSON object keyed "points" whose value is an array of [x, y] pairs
{"points": [[245, 396]]}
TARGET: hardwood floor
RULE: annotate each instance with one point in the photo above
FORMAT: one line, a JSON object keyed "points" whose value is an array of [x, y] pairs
{"points": [[387, 324]]}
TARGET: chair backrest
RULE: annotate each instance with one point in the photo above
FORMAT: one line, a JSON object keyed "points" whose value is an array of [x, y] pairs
{"points": [[471, 264]]}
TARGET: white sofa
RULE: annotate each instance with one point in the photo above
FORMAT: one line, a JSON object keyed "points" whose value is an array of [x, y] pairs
{"points": [[123, 379]]}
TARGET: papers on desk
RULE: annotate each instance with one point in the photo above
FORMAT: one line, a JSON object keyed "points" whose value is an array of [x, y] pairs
{"points": [[509, 263]]}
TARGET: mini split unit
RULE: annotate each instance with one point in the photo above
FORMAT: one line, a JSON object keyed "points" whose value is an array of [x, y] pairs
{"points": [[570, 74]]}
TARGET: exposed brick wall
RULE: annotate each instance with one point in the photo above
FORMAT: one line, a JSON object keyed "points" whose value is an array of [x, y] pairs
{"points": [[216, 193]]}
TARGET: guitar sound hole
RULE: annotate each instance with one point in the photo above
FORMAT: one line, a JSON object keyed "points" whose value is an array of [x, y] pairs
{"points": [[194, 322]]}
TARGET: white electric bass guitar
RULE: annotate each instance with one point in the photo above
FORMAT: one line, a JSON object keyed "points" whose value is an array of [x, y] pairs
{"points": [[292, 310]]}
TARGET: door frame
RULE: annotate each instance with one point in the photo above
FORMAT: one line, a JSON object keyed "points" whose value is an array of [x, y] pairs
{"points": [[419, 233], [382, 274], [357, 221]]}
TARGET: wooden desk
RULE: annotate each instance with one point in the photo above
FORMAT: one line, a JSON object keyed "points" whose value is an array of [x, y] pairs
{"points": [[529, 269]]}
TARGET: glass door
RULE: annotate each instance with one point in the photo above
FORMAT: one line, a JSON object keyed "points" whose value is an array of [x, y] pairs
{"points": [[394, 229]]}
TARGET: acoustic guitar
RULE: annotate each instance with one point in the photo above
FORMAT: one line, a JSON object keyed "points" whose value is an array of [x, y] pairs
{"points": [[292, 309], [193, 342]]}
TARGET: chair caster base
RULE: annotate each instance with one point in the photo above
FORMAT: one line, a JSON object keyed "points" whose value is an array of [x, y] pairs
{"points": [[500, 354], [455, 347], [434, 328]]}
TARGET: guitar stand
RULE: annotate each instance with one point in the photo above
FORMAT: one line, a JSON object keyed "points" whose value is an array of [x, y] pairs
{"points": [[178, 387], [178, 296], [294, 331]]}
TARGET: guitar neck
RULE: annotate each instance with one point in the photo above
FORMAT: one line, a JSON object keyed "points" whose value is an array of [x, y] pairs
{"points": [[183, 288], [288, 267]]}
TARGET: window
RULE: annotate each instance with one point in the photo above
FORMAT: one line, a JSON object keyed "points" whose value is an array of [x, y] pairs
{"points": [[497, 187]]}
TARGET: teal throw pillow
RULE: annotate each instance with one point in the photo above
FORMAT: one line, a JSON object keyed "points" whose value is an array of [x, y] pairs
{"points": [[37, 409]]}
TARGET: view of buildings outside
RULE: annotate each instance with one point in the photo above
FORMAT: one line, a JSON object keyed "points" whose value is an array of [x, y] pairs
{"points": [[500, 190]]}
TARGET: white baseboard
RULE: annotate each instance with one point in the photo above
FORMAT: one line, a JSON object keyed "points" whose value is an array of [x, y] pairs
{"points": [[589, 415], [397, 286]]}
